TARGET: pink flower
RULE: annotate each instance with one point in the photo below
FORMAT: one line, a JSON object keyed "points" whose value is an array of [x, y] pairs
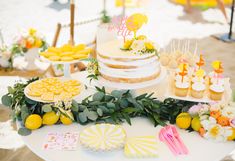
{"points": [[232, 122], [194, 110]]}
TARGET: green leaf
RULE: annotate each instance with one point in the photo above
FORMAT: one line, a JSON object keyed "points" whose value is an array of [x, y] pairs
{"points": [[74, 106], [99, 112], [95, 103], [127, 118], [29, 101], [6, 100], [117, 93], [24, 115], [10, 90], [123, 103], [86, 112], [92, 115], [82, 107], [82, 117], [24, 131], [104, 109], [98, 96], [46, 108], [111, 105], [108, 98]]}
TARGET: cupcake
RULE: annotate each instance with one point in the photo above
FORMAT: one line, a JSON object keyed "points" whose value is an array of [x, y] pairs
{"points": [[217, 81], [197, 80], [216, 91], [211, 75], [198, 90], [179, 78], [181, 88]]}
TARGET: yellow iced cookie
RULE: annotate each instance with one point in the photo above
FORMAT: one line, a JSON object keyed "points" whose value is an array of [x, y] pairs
{"points": [[47, 54], [65, 96], [66, 58], [55, 90], [34, 93], [85, 51], [66, 47], [72, 83], [67, 53], [48, 96], [53, 50], [79, 47], [79, 56], [54, 58], [75, 92]]}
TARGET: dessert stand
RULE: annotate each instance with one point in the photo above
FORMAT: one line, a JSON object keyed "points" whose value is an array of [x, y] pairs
{"points": [[66, 64]]}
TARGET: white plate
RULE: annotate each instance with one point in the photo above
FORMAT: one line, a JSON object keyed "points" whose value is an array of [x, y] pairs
{"points": [[38, 99], [132, 86], [59, 62]]}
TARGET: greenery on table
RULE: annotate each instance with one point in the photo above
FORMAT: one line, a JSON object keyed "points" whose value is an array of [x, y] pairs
{"points": [[115, 107]]}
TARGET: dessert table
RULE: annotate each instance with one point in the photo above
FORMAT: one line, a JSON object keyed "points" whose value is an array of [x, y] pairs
{"points": [[199, 148]]}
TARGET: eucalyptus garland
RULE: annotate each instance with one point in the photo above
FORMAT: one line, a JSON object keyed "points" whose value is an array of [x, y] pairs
{"points": [[115, 107]]}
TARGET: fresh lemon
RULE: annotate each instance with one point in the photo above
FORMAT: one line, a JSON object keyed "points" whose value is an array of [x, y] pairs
{"points": [[196, 124], [183, 120], [65, 120], [232, 137], [33, 122], [50, 118]]}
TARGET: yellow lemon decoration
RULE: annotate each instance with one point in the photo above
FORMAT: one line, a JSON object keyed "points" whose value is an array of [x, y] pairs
{"points": [[50, 118], [141, 37], [33, 122], [183, 120], [200, 73], [196, 124], [149, 45], [232, 137], [127, 44], [32, 31], [135, 22], [216, 64], [65, 120]]}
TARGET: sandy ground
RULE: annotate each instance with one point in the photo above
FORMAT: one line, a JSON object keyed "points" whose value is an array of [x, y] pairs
{"points": [[166, 22]]}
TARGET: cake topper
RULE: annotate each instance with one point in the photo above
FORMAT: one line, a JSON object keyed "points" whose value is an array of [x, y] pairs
{"points": [[135, 22], [183, 71], [218, 69], [201, 62]]}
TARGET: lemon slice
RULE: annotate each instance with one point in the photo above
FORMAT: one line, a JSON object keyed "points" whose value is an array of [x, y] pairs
{"points": [[65, 96], [48, 96], [72, 83], [79, 47], [79, 56], [54, 58], [68, 53], [66, 58]]}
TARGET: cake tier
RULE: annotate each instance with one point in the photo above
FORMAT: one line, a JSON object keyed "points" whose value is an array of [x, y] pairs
{"points": [[118, 65], [111, 51]]}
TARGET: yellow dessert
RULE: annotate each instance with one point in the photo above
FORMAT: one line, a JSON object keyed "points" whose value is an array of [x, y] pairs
{"points": [[48, 96], [216, 91], [67, 52], [53, 89], [198, 90]]}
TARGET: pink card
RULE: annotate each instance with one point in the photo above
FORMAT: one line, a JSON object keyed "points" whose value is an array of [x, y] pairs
{"points": [[61, 141]]}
